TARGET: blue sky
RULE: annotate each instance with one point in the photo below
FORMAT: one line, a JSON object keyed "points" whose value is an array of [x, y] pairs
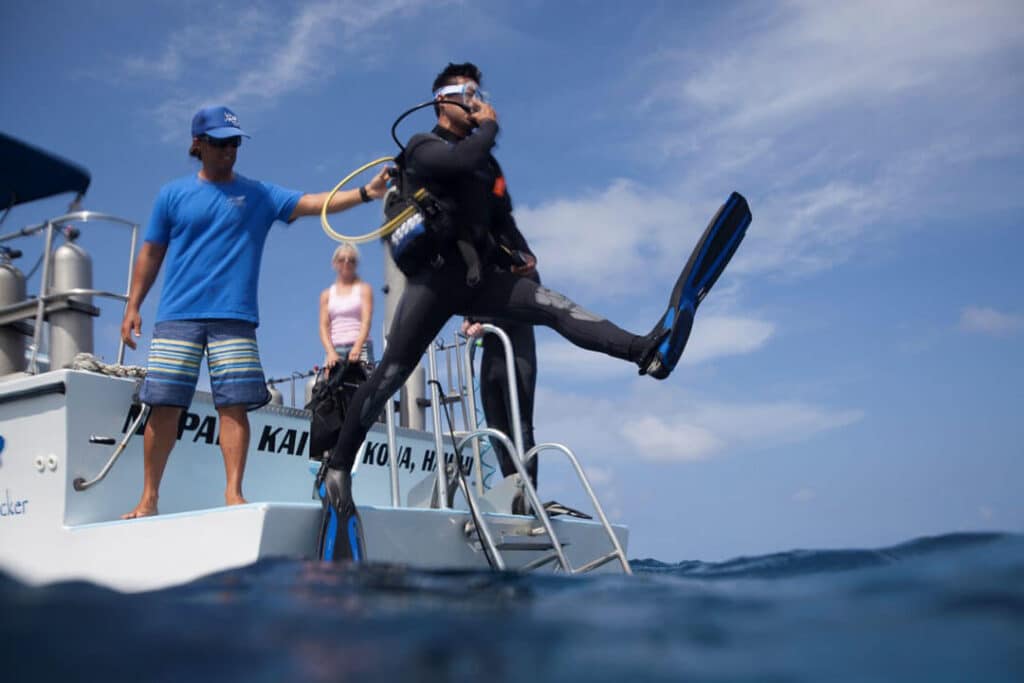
{"points": [[855, 379]]}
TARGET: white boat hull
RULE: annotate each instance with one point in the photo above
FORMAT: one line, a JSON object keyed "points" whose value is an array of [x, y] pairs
{"points": [[51, 532]]}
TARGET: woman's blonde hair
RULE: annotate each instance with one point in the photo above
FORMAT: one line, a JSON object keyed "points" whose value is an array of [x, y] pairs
{"points": [[342, 248]]}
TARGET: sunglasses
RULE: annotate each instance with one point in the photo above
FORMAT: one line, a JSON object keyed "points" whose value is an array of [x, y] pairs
{"points": [[346, 259], [220, 143]]}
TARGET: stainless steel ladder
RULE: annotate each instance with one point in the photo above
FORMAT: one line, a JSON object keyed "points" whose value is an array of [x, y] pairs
{"points": [[515, 447]]}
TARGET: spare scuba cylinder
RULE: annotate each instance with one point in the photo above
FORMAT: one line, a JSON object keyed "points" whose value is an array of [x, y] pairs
{"points": [[71, 330], [12, 291]]}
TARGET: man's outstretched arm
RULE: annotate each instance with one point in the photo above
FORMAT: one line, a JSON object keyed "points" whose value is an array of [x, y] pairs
{"points": [[311, 204]]}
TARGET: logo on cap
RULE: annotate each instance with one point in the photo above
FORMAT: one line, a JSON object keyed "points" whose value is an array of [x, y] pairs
{"points": [[219, 122]]}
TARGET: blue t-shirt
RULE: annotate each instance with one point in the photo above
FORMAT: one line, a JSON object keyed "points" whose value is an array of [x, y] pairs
{"points": [[214, 234]]}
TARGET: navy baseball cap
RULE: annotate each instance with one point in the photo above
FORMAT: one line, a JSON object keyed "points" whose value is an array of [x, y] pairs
{"points": [[216, 122]]}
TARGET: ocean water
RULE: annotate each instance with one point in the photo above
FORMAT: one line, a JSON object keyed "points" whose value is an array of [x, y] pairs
{"points": [[949, 608]]}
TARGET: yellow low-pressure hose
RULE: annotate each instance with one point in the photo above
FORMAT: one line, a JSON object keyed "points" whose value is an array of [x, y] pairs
{"points": [[382, 231], [405, 214]]}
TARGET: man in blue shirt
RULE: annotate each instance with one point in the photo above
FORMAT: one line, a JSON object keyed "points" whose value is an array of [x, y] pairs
{"points": [[210, 229]]}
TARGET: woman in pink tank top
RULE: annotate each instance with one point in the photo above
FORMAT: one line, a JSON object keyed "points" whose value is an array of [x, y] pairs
{"points": [[346, 309]]}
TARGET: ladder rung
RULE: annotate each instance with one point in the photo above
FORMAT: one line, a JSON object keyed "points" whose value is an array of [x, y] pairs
{"points": [[526, 546], [603, 560], [470, 528], [539, 562], [526, 532], [446, 400]]}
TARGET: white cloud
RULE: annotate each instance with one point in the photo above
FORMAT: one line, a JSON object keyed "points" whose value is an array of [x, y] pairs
{"points": [[985, 320], [625, 239], [656, 439], [807, 57], [303, 55], [561, 359], [771, 423], [718, 336], [262, 53], [806, 231], [192, 47], [599, 476], [842, 123], [615, 241], [658, 423]]}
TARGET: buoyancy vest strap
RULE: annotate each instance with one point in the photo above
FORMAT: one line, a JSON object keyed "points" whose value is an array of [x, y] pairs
{"points": [[471, 257]]}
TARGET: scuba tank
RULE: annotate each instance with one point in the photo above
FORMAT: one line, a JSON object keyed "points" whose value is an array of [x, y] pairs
{"points": [[12, 291], [71, 330]]}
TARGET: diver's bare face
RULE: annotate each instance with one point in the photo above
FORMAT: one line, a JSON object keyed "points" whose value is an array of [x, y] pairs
{"points": [[455, 118]]}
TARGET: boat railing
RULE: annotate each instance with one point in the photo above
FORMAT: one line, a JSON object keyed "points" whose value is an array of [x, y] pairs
{"points": [[436, 406], [459, 363], [46, 297], [513, 397], [290, 380], [389, 425]]}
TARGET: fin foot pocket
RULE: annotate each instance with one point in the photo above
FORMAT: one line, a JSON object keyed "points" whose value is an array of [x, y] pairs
{"points": [[341, 530], [652, 343]]}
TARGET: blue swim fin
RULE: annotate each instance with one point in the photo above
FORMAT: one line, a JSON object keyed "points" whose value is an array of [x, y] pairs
{"points": [[341, 529], [709, 258]]}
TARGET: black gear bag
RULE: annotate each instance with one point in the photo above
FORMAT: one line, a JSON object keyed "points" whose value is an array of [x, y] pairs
{"points": [[332, 393]]}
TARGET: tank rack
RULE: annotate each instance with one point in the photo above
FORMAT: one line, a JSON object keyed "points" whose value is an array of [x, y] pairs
{"points": [[65, 295]]}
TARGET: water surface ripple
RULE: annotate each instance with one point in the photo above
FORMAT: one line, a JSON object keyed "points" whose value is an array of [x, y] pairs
{"points": [[948, 608]]}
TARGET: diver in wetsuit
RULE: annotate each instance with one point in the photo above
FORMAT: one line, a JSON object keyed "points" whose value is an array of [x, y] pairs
{"points": [[454, 163]]}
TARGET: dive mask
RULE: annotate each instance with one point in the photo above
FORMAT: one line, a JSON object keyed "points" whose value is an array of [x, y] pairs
{"points": [[466, 92]]}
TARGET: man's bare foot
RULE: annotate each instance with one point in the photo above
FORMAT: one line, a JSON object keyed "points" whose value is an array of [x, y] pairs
{"points": [[145, 508], [234, 499]]}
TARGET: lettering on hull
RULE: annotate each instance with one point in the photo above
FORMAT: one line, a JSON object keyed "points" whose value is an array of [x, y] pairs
{"points": [[273, 439], [12, 506], [377, 454]]}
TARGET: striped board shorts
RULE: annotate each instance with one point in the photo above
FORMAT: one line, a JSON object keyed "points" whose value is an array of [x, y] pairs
{"points": [[232, 357]]}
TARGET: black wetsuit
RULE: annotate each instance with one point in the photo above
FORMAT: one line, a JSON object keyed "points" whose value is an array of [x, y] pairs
{"points": [[463, 174]]}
